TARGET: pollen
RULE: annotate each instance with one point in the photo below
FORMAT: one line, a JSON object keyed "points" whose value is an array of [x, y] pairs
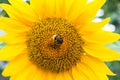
{"points": [[54, 45]]}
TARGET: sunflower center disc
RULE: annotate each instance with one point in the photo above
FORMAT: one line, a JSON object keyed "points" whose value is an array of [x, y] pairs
{"points": [[54, 45]]}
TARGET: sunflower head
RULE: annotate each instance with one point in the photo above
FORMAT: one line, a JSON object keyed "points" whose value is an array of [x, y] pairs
{"points": [[57, 39], [53, 44]]}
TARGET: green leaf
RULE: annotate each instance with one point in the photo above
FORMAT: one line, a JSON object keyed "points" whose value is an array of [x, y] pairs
{"points": [[2, 44], [115, 46]]}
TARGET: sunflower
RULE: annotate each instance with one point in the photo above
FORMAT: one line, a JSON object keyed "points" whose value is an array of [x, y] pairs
{"points": [[55, 40]]}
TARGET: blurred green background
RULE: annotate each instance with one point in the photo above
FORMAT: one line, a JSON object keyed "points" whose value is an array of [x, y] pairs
{"points": [[110, 9]]}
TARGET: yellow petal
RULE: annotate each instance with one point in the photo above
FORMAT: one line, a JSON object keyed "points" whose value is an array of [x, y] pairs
{"points": [[24, 9], [90, 73], [89, 12], [101, 52], [87, 71], [92, 27], [9, 9], [64, 76], [8, 52], [60, 8], [11, 39], [97, 65], [40, 75], [44, 8], [14, 14], [68, 4], [25, 74], [67, 76], [49, 8], [76, 8], [38, 7], [12, 26], [60, 76], [50, 76], [101, 37], [78, 74], [15, 66]]}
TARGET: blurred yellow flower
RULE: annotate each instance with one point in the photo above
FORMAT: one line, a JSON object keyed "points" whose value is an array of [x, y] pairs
{"points": [[55, 40]]}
